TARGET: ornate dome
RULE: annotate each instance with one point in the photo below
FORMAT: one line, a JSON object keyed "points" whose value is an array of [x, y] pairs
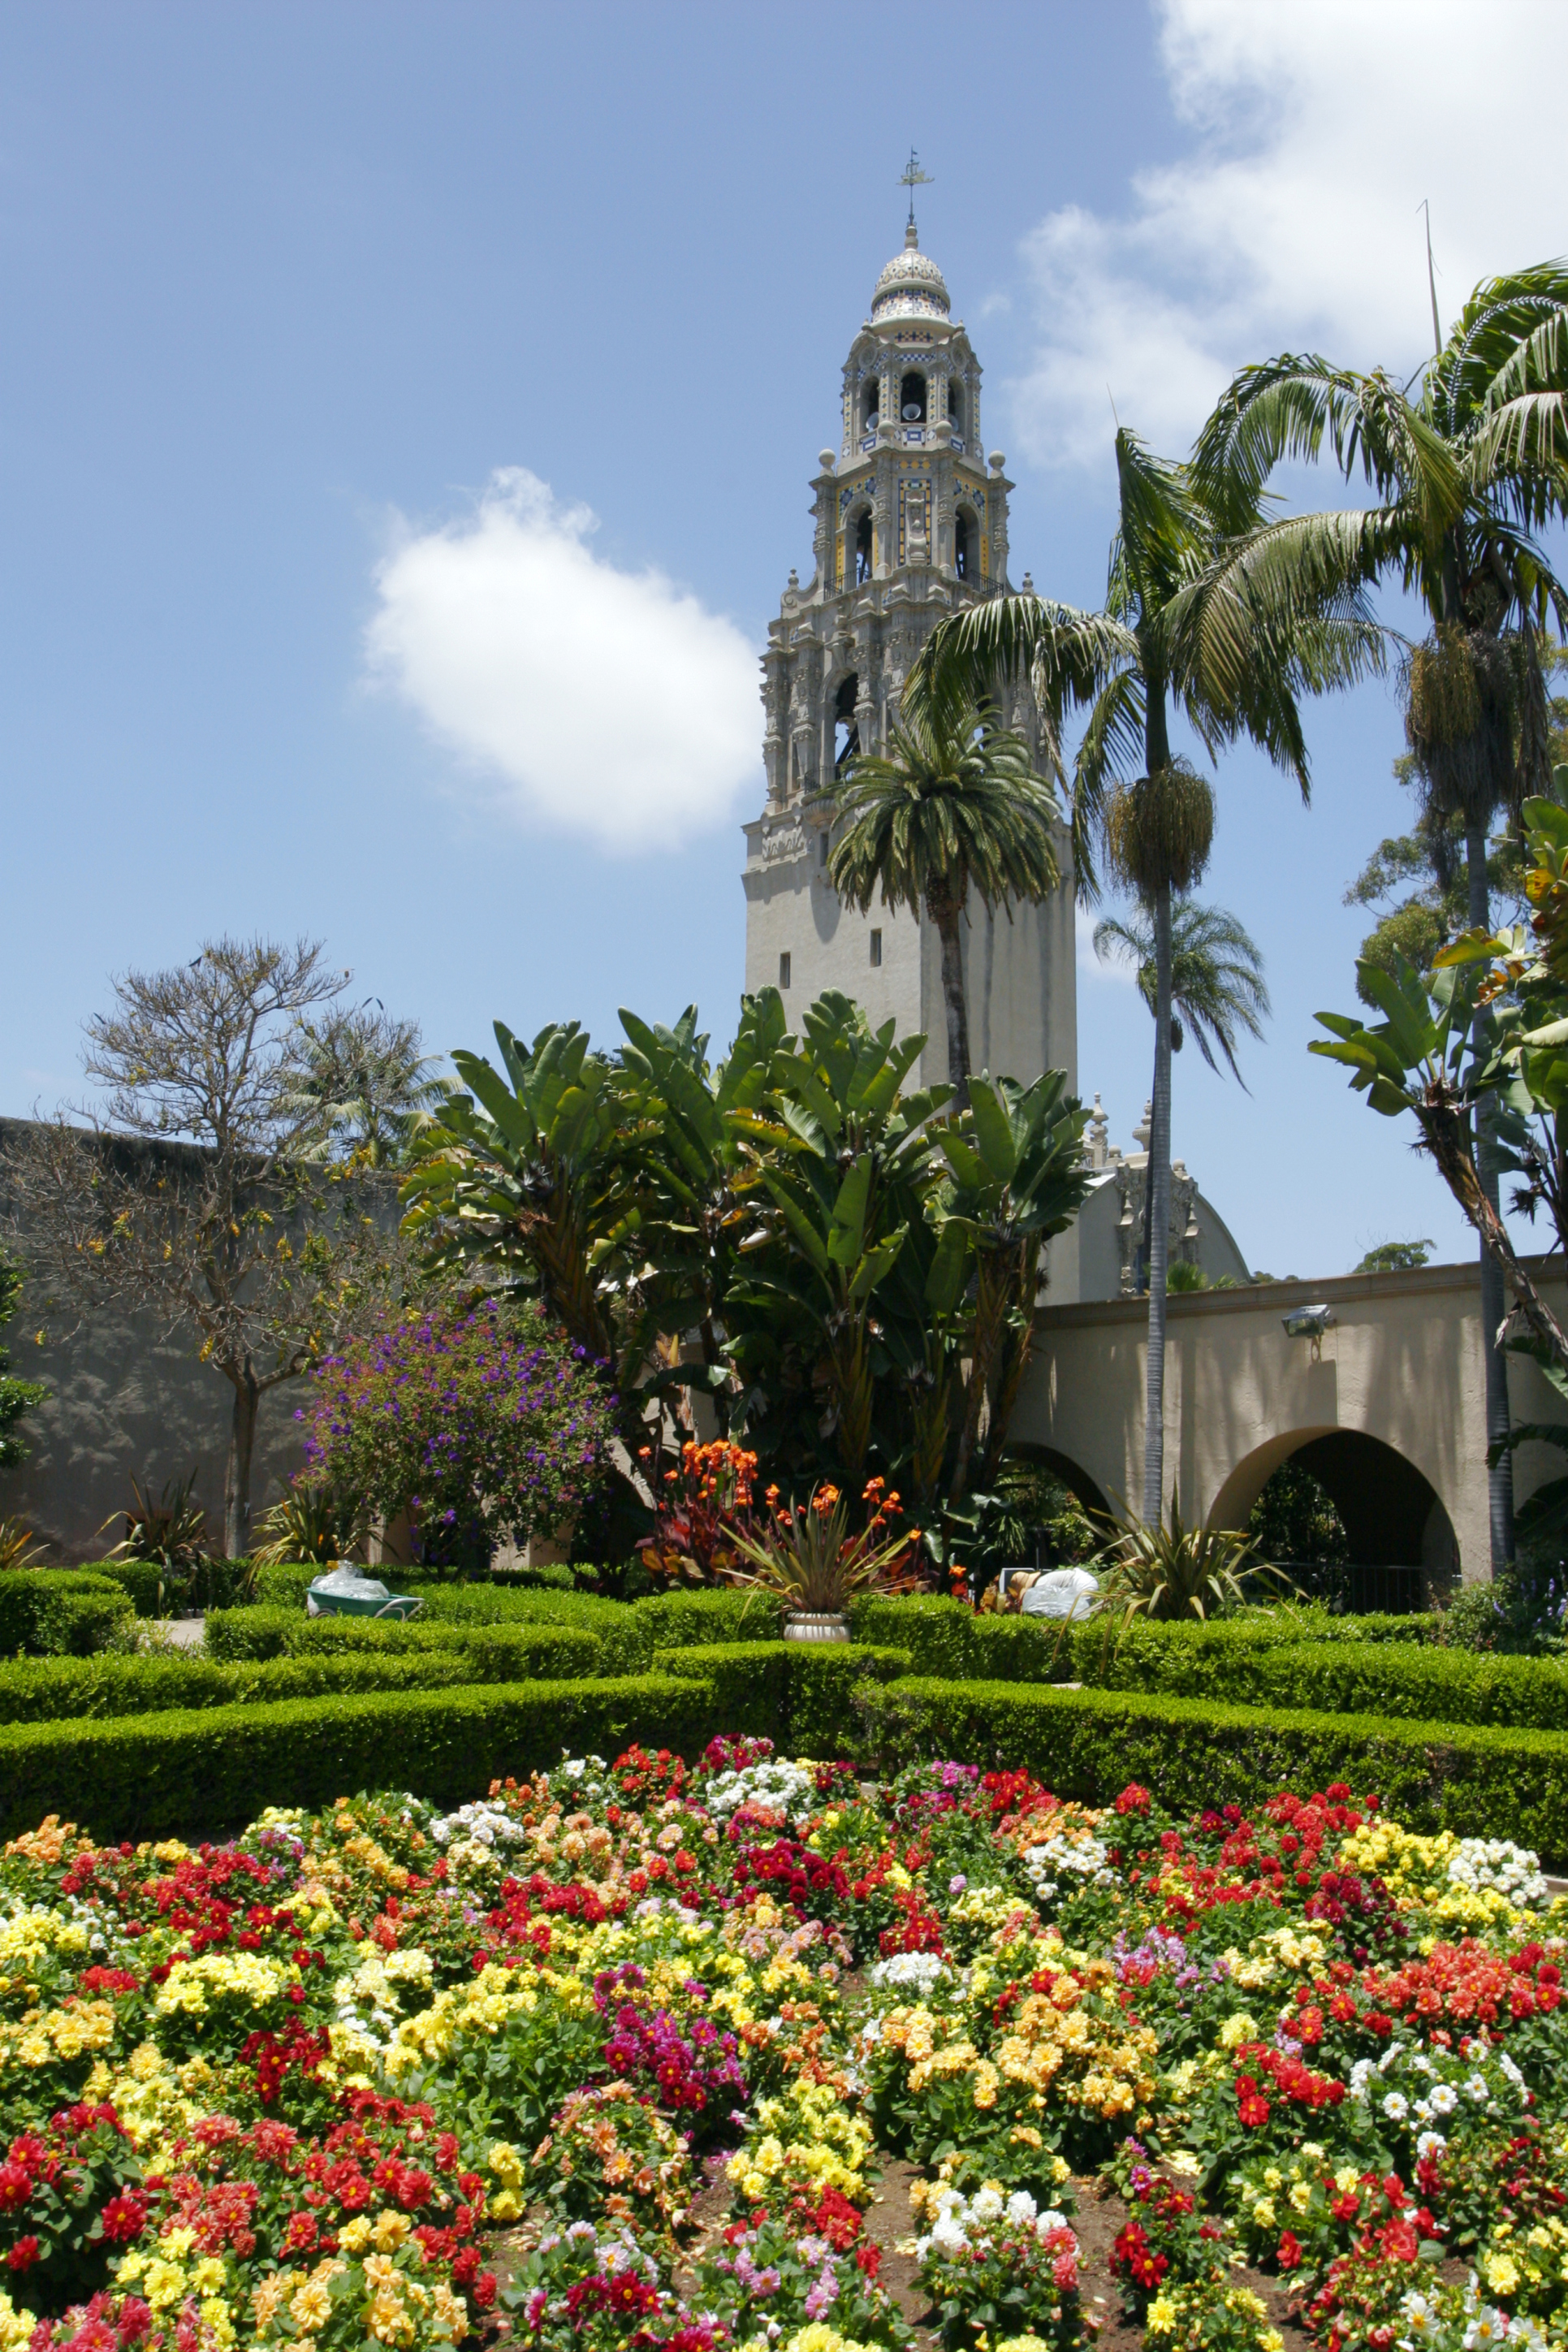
{"points": [[911, 286]]}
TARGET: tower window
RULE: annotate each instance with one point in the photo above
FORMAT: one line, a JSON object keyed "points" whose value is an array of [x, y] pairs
{"points": [[862, 550], [871, 404], [956, 404], [846, 733], [964, 544], [784, 970], [876, 950], [912, 398]]}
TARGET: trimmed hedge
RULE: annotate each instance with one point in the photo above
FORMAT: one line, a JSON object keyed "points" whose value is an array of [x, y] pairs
{"points": [[61, 1612], [50, 1690], [201, 1773], [1408, 1680], [247, 1635], [1475, 1779], [801, 1694]]}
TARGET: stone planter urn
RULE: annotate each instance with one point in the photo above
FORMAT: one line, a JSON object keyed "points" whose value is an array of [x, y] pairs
{"points": [[805, 1625]]}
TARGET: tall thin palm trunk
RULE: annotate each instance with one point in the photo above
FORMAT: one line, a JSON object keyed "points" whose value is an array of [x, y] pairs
{"points": [[1157, 1176], [946, 912], [1157, 1193], [1494, 1304]]}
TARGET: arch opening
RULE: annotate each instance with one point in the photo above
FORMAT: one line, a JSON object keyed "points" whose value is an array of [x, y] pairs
{"points": [[956, 404], [846, 729], [912, 398], [1399, 1544], [865, 553], [871, 404], [1063, 1470], [964, 544]]}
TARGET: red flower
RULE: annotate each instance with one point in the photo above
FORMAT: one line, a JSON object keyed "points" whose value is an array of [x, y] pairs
{"points": [[23, 2254], [1290, 2253]]}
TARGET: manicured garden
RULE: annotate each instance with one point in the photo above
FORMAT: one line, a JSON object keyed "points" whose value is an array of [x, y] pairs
{"points": [[755, 2052]]}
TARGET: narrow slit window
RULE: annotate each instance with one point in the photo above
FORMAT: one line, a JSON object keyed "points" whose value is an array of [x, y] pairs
{"points": [[784, 970], [875, 949]]}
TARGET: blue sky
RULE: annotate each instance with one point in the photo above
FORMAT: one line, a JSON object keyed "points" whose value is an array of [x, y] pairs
{"points": [[325, 323]]}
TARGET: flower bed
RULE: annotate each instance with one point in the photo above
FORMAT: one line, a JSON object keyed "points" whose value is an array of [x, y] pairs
{"points": [[611, 2058]]}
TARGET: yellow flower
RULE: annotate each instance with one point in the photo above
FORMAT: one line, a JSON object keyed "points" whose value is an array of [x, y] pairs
{"points": [[1161, 2315], [391, 2230], [355, 2235], [1502, 2273], [1237, 2029], [310, 2305]]}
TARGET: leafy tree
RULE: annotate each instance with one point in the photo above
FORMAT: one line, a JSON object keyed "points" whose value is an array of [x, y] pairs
{"points": [[1216, 975], [1185, 626], [1394, 1258], [189, 1196], [1465, 470], [16, 1397], [1296, 1521], [955, 807], [366, 1087]]}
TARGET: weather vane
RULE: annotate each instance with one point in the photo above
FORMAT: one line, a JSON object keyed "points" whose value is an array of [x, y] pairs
{"points": [[913, 177]]}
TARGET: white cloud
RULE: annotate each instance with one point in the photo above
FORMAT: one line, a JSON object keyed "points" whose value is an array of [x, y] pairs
{"points": [[607, 703], [1294, 223]]}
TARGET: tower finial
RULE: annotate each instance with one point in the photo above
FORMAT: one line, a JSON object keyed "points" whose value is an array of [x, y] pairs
{"points": [[913, 177]]}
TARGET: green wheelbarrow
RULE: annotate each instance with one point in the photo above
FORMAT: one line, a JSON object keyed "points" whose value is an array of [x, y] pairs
{"points": [[349, 1592]]}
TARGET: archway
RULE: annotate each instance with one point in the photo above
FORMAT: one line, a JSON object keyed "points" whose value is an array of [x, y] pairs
{"points": [[1397, 1530], [1077, 1481], [964, 544], [912, 398], [846, 732]]}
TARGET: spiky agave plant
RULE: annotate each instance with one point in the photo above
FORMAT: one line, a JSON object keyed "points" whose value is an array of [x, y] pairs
{"points": [[808, 1558], [315, 1524], [18, 1546], [1168, 1570]]}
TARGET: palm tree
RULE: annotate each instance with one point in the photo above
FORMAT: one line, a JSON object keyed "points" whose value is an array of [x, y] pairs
{"points": [[956, 805], [1465, 471], [1183, 624], [365, 1087], [1216, 975], [1217, 989]]}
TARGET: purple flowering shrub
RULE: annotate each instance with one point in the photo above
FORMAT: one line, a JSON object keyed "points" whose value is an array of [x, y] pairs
{"points": [[481, 1422]]}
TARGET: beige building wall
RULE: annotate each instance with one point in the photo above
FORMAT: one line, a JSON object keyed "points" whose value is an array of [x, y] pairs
{"points": [[1401, 1364]]}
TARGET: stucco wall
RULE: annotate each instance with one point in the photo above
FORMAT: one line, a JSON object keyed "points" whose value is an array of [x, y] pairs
{"points": [[1402, 1363]]}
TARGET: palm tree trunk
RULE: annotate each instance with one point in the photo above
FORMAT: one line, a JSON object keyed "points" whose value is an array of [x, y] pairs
{"points": [[1157, 1194], [946, 913], [1494, 1304]]}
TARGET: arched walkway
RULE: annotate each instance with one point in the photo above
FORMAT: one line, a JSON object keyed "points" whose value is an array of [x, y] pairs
{"points": [[1393, 1516], [1076, 1479]]}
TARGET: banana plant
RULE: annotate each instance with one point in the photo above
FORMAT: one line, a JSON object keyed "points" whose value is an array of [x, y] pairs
{"points": [[842, 1165], [694, 1205], [1016, 1175], [1447, 1040], [526, 1181]]}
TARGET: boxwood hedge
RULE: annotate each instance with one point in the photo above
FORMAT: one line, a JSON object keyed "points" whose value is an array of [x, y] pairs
{"points": [[61, 1612], [1477, 1780], [801, 1694], [203, 1773]]}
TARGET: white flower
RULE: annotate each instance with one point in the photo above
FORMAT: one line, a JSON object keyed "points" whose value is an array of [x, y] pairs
{"points": [[922, 1969], [1396, 2107], [987, 2205], [947, 2235], [1361, 2073], [1021, 2208], [1443, 2099], [1477, 2087]]}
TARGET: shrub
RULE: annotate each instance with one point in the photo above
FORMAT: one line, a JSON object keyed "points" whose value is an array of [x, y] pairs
{"points": [[58, 1690], [1409, 1680], [802, 1694], [61, 1612], [480, 1424], [249, 1635], [155, 1775], [1475, 1779]]}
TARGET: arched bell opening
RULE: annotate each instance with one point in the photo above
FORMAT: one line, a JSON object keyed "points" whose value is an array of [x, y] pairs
{"points": [[870, 403], [965, 545], [912, 398], [956, 403], [846, 732], [865, 547]]}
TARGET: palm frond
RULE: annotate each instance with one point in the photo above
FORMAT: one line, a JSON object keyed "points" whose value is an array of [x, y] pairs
{"points": [[1217, 989]]}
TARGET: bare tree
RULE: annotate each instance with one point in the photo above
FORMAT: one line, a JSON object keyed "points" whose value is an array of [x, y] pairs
{"points": [[191, 1194]]}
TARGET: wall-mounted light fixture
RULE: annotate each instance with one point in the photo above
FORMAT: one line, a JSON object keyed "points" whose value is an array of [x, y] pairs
{"points": [[1309, 1323]]}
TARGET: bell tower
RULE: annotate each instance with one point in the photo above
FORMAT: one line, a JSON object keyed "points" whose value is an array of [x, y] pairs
{"points": [[909, 524]]}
